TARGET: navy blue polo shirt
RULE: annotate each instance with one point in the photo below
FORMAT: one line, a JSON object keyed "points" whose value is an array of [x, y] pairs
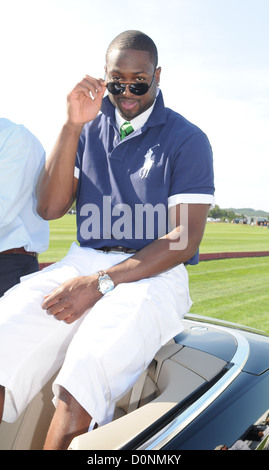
{"points": [[125, 187]]}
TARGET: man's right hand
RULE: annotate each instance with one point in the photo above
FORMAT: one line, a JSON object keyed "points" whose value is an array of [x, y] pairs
{"points": [[84, 101]]}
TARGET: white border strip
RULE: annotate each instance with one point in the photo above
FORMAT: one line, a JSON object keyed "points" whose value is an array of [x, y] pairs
{"points": [[191, 199]]}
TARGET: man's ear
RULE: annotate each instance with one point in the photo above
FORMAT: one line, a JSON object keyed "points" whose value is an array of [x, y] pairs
{"points": [[158, 74]]}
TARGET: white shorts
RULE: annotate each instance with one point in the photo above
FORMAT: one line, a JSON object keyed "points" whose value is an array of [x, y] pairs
{"points": [[103, 353]]}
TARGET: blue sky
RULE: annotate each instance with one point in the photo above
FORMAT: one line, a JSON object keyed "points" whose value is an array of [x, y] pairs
{"points": [[214, 56]]}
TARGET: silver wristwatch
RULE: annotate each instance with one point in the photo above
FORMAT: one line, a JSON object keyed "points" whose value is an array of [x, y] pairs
{"points": [[105, 283]]}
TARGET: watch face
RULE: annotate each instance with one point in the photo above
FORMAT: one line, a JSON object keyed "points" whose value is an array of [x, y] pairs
{"points": [[105, 285]]}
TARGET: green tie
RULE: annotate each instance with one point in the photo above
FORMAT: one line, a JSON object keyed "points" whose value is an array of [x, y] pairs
{"points": [[125, 130]]}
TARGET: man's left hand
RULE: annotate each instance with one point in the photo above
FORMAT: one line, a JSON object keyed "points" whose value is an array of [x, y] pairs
{"points": [[72, 299]]}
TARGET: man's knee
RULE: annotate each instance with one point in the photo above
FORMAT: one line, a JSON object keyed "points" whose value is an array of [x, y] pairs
{"points": [[65, 396], [66, 402]]}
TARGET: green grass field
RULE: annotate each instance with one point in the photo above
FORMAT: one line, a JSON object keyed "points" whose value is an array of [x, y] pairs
{"points": [[62, 234], [235, 290], [221, 237]]}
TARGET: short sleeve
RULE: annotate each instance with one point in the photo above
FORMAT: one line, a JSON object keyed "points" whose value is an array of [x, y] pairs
{"points": [[192, 172]]}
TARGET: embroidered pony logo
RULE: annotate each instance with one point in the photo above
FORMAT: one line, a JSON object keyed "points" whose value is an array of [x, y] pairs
{"points": [[143, 173]]}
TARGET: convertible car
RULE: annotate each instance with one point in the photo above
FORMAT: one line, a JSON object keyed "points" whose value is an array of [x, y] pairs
{"points": [[208, 389]]}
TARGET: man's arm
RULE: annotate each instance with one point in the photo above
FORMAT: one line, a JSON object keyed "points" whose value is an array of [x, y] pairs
{"points": [[168, 251], [56, 187], [70, 300]]}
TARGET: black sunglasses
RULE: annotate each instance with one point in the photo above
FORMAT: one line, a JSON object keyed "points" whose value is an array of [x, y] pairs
{"points": [[116, 88]]}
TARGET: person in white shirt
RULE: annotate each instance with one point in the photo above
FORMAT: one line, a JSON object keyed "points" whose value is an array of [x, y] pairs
{"points": [[23, 233]]}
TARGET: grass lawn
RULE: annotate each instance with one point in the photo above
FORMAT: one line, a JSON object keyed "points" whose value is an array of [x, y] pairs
{"points": [[234, 290], [221, 237], [62, 234]]}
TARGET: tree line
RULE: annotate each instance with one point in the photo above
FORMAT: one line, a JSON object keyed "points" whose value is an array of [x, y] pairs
{"points": [[223, 214]]}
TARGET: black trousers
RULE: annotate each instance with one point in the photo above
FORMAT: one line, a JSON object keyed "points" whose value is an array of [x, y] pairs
{"points": [[13, 267]]}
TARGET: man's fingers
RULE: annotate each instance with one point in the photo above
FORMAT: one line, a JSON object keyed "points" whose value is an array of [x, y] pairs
{"points": [[61, 310], [97, 83], [56, 307], [51, 298], [90, 86]]}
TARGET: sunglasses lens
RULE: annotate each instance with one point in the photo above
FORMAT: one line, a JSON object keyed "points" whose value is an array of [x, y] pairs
{"points": [[115, 88], [139, 88]]}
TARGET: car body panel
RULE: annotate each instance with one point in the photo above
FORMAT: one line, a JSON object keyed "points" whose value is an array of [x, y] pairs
{"points": [[228, 418]]}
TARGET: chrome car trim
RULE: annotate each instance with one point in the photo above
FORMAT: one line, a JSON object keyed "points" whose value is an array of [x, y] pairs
{"points": [[223, 323], [186, 417]]}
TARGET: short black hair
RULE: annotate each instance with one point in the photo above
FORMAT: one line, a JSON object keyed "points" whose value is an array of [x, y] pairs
{"points": [[136, 40]]}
